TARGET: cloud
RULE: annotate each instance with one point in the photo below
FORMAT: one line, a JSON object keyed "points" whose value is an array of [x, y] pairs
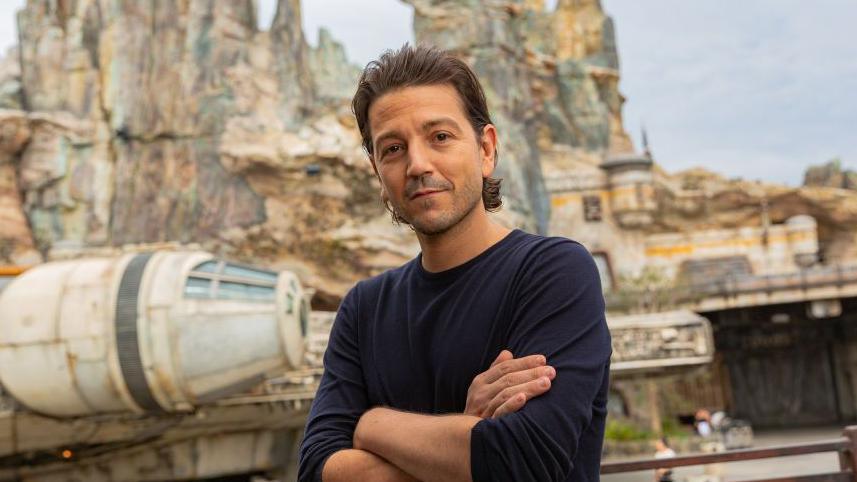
{"points": [[367, 28], [753, 89]]}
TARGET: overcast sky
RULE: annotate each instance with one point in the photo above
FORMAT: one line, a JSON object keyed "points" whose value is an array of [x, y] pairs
{"points": [[748, 88]]}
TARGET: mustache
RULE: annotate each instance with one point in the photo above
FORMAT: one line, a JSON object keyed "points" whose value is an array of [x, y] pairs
{"points": [[415, 185]]}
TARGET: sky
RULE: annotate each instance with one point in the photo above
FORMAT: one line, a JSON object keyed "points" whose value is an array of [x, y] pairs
{"points": [[758, 89]]}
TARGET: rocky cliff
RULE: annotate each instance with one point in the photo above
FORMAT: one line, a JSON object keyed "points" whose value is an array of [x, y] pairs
{"points": [[131, 123], [699, 199], [183, 122]]}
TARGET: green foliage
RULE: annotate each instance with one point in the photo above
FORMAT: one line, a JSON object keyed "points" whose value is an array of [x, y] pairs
{"points": [[672, 429], [651, 291], [625, 430], [836, 163]]}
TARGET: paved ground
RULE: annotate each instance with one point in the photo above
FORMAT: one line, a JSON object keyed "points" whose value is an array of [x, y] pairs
{"points": [[799, 465]]}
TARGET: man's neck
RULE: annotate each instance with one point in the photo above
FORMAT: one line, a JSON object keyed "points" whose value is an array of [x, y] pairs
{"points": [[461, 243]]}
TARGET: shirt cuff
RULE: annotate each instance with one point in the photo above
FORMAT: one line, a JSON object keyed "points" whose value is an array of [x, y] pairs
{"points": [[478, 456]]}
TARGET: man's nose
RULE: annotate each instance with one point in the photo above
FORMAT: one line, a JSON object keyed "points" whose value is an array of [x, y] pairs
{"points": [[419, 160]]}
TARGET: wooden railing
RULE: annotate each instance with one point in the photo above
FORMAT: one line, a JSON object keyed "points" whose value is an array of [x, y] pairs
{"points": [[845, 446]]}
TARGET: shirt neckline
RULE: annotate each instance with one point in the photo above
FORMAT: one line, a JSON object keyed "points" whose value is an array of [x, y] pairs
{"points": [[455, 271]]}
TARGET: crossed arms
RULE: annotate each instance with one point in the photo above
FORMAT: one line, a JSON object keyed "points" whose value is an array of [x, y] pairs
{"points": [[390, 445], [500, 436]]}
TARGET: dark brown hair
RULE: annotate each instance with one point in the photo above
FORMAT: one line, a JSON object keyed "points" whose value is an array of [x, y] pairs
{"points": [[417, 66]]}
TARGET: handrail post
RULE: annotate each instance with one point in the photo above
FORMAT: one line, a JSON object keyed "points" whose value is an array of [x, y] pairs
{"points": [[848, 457]]}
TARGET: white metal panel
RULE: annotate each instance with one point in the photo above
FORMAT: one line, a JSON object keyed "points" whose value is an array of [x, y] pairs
{"points": [[39, 376], [30, 304], [289, 298], [164, 282], [162, 301], [209, 345], [85, 306], [92, 374], [204, 385], [168, 388]]}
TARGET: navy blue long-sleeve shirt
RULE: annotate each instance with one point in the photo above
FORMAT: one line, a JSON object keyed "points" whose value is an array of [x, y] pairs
{"points": [[414, 340]]}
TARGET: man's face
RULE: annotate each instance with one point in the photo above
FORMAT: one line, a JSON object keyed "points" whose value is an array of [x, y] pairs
{"points": [[429, 160]]}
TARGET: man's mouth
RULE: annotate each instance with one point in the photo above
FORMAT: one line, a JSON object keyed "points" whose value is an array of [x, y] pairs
{"points": [[425, 192]]}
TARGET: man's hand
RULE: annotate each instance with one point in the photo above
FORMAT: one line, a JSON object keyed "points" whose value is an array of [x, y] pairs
{"points": [[507, 385]]}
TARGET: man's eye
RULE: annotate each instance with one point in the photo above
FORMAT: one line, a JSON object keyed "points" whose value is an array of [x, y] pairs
{"points": [[441, 136], [392, 149]]}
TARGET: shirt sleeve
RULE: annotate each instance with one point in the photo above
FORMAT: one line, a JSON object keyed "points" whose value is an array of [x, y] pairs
{"points": [[559, 313], [341, 397]]}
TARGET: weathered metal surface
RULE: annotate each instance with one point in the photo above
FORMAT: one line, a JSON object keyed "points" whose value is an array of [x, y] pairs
{"points": [[203, 456], [820, 283], [657, 342], [77, 340]]}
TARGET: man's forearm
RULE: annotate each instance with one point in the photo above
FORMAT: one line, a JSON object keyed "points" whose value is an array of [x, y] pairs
{"points": [[427, 447], [349, 465]]}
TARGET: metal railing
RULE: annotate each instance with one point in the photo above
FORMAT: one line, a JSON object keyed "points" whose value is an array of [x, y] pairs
{"points": [[809, 278], [845, 446], [689, 294]]}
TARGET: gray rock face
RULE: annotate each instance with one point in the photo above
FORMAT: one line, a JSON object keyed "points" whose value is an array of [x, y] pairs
{"points": [[335, 78], [550, 77], [10, 80], [182, 122]]}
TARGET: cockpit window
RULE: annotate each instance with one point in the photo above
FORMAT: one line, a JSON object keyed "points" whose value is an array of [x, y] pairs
{"points": [[240, 291], [208, 267], [197, 287], [221, 280], [243, 272]]}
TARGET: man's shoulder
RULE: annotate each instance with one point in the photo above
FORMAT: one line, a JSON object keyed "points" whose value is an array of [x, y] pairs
{"points": [[553, 251], [389, 278]]}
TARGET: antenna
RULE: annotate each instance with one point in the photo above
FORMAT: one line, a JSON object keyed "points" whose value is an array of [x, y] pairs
{"points": [[646, 151]]}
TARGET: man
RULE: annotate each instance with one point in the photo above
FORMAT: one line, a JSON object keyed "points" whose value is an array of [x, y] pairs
{"points": [[487, 356]]}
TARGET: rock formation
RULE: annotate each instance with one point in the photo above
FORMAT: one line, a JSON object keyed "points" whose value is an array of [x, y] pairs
{"points": [[182, 122], [551, 78], [698, 199]]}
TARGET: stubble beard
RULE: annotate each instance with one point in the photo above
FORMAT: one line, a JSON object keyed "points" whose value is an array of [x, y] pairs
{"points": [[463, 203]]}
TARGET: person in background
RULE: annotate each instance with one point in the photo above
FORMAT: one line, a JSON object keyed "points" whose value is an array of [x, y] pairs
{"points": [[702, 423], [663, 451]]}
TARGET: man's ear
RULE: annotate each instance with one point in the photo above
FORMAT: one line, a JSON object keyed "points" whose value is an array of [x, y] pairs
{"points": [[488, 150]]}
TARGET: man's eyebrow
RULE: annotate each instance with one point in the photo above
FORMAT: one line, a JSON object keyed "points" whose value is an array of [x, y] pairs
{"points": [[429, 124], [386, 135]]}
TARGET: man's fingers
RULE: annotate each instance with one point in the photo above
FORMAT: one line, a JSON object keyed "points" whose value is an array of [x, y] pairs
{"points": [[524, 376], [509, 366], [503, 356], [530, 390], [511, 405], [513, 380]]}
